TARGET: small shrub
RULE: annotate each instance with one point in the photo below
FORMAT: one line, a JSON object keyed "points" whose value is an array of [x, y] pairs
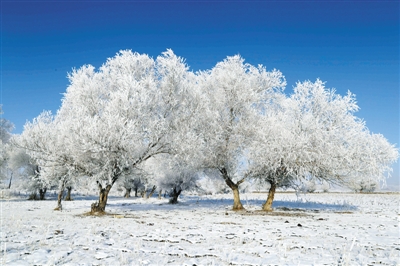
{"points": [[33, 196]]}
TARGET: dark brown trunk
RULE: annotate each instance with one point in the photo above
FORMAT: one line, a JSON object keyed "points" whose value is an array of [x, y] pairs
{"points": [[42, 193], [267, 206], [136, 195], [152, 192], [59, 199], [9, 184], [237, 204], [100, 206], [175, 195], [127, 192], [68, 197]]}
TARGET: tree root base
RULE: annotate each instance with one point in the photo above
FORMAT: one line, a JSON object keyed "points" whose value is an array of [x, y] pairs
{"points": [[95, 208], [172, 201]]}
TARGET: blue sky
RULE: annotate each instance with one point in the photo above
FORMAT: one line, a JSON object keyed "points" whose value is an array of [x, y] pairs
{"points": [[352, 45]]}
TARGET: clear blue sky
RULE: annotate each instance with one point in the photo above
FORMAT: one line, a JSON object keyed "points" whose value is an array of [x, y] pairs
{"points": [[353, 45]]}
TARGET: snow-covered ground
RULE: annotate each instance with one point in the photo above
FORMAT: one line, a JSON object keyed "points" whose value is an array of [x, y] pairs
{"points": [[315, 229]]}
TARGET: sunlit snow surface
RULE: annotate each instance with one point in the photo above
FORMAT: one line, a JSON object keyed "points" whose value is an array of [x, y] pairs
{"points": [[315, 229]]}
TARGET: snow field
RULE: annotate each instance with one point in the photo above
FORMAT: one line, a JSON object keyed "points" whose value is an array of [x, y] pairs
{"points": [[315, 229]]}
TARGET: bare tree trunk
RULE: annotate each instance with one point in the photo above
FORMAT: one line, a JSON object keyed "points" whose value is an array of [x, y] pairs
{"points": [[127, 192], [237, 204], [9, 184], [42, 193], [159, 194], [175, 195], [143, 193], [136, 190], [267, 206], [68, 197], [59, 198], [100, 206], [152, 192]]}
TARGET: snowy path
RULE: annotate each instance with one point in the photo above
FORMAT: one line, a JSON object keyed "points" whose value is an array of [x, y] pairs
{"points": [[322, 229]]}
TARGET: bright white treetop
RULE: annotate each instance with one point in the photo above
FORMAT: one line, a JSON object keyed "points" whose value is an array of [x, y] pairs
{"points": [[314, 133], [234, 93], [127, 112]]}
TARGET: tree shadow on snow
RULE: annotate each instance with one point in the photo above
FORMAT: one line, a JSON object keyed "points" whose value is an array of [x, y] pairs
{"points": [[203, 203], [313, 206]]}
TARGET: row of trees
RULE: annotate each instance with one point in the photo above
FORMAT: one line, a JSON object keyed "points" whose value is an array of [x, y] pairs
{"points": [[137, 114]]}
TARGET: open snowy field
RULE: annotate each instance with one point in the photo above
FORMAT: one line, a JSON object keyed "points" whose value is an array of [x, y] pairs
{"points": [[314, 229]]}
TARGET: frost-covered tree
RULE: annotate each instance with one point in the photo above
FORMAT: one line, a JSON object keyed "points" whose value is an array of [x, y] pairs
{"points": [[314, 133], [366, 185], [26, 168], [173, 175], [44, 141], [309, 186], [5, 128], [5, 134], [136, 182], [178, 181], [123, 114], [234, 94]]}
